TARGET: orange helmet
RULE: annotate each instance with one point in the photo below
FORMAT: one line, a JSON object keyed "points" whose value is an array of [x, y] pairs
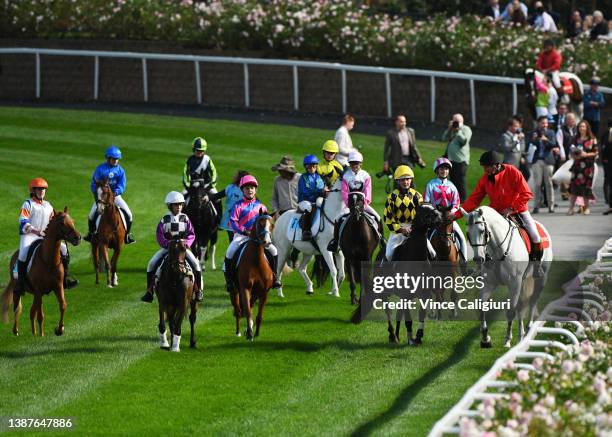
{"points": [[38, 183]]}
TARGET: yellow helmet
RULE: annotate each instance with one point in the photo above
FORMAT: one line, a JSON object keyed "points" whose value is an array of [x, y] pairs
{"points": [[403, 172], [330, 146]]}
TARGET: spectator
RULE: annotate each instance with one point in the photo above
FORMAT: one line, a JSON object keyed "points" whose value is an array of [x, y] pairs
{"points": [[400, 147], [584, 152], [517, 16], [458, 137], [342, 137], [510, 7], [574, 26], [512, 143], [542, 20], [587, 24], [593, 102], [600, 26], [492, 10], [559, 118], [606, 159], [609, 35], [565, 137], [549, 62], [543, 151], [284, 192]]}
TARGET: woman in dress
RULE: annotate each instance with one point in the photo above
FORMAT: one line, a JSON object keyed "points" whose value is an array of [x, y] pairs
{"points": [[584, 153]]}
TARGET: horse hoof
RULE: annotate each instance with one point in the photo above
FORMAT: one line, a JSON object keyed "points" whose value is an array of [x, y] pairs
{"points": [[59, 330], [279, 293], [412, 342], [508, 344], [393, 339], [333, 294], [175, 350], [309, 292], [110, 285], [238, 334], [192, 345], [485, 344]]}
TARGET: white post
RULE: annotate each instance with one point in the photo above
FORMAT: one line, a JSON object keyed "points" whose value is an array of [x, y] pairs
{"points": [[344, 91], [514, 99], [473, 102], [37, 75], [296, 89], [198, 83], [247, 101], [432, 103], [388, 89], [96, 89], [145, 85]]}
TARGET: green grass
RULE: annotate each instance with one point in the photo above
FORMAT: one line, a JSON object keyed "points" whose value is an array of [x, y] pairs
{"points": [[310, 372]]}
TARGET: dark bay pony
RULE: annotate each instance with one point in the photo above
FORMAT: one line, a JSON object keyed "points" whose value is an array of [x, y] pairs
{"points": [[174, 294], [204, 218], [358, 241], [45, 275], [110, 235], [254, 276], [414, 248]]}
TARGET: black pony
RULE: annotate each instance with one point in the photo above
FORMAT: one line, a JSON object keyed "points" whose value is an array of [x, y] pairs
{"points": [[204, 216]]}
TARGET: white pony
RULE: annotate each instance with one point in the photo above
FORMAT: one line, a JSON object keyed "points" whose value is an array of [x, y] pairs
{"points": [[332, 206], [494, 237]]}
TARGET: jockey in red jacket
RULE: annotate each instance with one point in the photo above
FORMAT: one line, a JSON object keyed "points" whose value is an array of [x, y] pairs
{"points": [[549, 62], [508, 193]]}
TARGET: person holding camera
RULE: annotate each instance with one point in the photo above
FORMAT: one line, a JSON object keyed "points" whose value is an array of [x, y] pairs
{"points": [[400, 147], [458, 137], [543, 152], [512, 143]]}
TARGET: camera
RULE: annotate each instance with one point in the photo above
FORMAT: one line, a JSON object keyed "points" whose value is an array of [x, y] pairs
{"points": [[455, 125]]}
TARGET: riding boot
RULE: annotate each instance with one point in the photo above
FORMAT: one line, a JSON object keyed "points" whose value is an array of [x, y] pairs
{"points": [[229, 275], [92, 230], [307, 224], [276, 284], [22, 273], [68, 282], [537, 252], [381, 230], [197, 286], [219, 208], [334, 243], [129, 239], [148, 296]]}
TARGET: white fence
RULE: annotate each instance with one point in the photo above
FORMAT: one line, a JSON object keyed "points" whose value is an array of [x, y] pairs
{"points": [[295, 65], [557, 310]]}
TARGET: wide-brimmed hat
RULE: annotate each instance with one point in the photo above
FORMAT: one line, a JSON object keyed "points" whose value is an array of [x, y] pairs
{"points": [[286, 164]]}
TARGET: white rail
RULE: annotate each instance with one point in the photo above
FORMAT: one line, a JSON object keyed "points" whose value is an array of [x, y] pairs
{"points": [[569, 302], [294, 64]]}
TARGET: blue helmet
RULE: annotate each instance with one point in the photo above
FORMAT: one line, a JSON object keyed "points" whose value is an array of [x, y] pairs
{"points": [[310, 159], [113, 152]]}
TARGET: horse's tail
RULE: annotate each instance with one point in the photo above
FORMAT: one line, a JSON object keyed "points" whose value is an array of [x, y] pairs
{"points": [[320, 270], [7, 298]]}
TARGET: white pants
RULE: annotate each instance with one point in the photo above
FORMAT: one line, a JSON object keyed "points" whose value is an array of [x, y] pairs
{"points": [[556, 78], [530, 225], [395, 239], [541, 111], [542, 172], [26, 240], [191, 259], [461, 237], [367, 209], [237, 241], [119, 202]]}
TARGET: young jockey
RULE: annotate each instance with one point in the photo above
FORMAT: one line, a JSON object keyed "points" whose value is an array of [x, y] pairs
{"points": [[442, 192], [115, 175], [242, 219], [330, 169], [232, 195], [310, 187], [34, 217], [400, 210], [508, 193], [174, 224], [355, 180], [200, 166]]}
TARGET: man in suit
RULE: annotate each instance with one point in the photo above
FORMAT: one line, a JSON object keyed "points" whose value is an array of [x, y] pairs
{"points": [[400, 147], [543, 144], [492, 10], [512, 143]]}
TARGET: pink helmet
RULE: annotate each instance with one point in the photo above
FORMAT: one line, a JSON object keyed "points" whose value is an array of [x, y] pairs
{"points": [[248, 180], [441, 161]]}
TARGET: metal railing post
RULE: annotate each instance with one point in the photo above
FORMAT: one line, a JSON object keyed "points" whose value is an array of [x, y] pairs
{"points": [[473, 102], [96, 87], [37, 75], [388, 91], [296, 89], [198, 82], [343, 91], [145, 80], [432, 102], [247, 100]]}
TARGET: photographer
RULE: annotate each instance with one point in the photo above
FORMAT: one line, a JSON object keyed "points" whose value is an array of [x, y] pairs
{"points": [[512, 143], [458, 137], [543, 151], [400, 147]]}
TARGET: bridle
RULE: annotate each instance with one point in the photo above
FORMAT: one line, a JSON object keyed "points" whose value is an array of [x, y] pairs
{"points": [[178, 265], [260, 230], [487, 234], [357, 209]]}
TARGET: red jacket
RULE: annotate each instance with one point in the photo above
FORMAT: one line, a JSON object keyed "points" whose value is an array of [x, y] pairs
{"points": [[509, 191], [550, 60]]}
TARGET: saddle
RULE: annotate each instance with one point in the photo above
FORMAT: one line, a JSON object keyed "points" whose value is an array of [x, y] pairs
{"points": [[369, 218], [518, 221], [121, 213], [238, 256], [294, 230], [161, 264], [30, 256]]}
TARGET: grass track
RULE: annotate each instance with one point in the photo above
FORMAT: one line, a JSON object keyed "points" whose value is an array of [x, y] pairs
{"points": [[310, 372]]}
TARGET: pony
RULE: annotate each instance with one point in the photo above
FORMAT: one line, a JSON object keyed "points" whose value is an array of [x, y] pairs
{"points": [[46, 274], [496, 238], [414, 248], [174, 294], [204, 218], [254, 276], [574, 100], [358, 241], [110, 235], [331, 207]]}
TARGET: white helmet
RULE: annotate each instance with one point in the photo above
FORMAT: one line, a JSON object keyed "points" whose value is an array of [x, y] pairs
{"points": [[355, 156], [174, 197]]}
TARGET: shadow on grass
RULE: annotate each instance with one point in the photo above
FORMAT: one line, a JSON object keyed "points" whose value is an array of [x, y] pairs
{"points": [[460, 351]]}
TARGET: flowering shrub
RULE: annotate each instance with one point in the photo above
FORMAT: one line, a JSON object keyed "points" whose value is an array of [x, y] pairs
{"points": [[341, 30]]}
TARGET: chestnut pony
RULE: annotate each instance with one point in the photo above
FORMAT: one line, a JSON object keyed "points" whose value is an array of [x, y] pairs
{"points": [[110, 235], [46, 274], [254, 276]]}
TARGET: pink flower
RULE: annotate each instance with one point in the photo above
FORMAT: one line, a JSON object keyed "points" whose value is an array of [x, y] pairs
{"points": [[537, 363], [523, 375], [549, 401], [567, 366]]}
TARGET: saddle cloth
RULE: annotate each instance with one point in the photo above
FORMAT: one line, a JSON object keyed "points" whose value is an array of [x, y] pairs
{"points": [[525, 236], [369, 218], [294, 230], [30, 257], [121, 213]]}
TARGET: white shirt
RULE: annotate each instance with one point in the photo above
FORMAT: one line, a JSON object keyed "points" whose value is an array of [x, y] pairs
{"points": [[404, 142], [545, 23], [35, 215], [553, 98], [345, 144]]}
